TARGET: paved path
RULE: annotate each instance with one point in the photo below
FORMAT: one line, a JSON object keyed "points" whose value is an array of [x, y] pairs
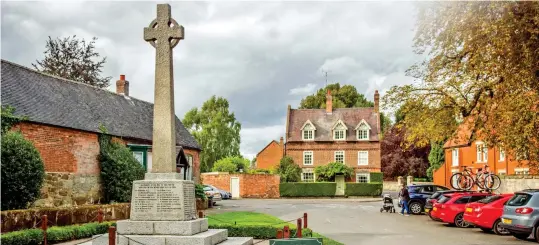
{"points": [[358, 222]]}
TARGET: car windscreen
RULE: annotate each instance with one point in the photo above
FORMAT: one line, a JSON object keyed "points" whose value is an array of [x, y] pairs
{"points": [[207, 189], [519, 199], [489, 199], [414, 189], [444, 199]]}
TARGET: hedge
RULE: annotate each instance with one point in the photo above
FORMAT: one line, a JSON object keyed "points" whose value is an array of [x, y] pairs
{"points": [[363, 189], [296, 189], [55, 234], [376, 177], [256, 231]]}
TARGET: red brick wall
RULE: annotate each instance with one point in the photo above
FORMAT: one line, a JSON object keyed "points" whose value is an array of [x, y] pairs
{"points": [[251, 185], [269, 157]]}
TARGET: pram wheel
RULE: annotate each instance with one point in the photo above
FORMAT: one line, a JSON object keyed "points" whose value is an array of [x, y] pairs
{"points": [[381, 210]]}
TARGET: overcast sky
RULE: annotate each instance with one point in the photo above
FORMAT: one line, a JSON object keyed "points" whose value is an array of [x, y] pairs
{"points": [[259, 56]]}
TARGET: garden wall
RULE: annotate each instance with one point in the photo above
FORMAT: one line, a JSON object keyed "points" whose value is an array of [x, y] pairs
{"points": [[513, 183], [251, 185], [66, 189]]}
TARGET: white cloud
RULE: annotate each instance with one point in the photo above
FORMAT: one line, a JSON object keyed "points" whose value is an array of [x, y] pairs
{"points": [[254, 139], [303, 90]]}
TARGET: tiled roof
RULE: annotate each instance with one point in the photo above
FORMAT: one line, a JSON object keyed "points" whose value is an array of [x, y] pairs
{"points": [[462, 136], [55, 101], [324, 122]]}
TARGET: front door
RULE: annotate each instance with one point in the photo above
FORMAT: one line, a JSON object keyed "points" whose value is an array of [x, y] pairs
{"points": [[339, 179], [235, 187]]}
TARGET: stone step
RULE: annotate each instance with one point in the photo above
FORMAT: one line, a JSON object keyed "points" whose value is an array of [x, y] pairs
{"points": [[176, 228], [238, 241], [209, 237]]}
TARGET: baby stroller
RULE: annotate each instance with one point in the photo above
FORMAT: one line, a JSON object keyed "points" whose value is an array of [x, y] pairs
{"points": [[388, 204]]}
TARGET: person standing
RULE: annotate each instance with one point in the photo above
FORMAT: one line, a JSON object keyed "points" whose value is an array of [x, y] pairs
{"points": [[404, 197]]}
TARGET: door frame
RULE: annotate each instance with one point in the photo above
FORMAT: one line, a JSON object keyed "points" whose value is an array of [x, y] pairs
{"points": [[232, 188]]}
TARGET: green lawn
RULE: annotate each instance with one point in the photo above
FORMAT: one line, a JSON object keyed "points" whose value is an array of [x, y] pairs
{"points": [[252, 218]]}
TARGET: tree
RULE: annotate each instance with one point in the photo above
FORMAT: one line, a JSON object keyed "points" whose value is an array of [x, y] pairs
{"points": [[22, 171], [288, 170], [482, 68], [400, 161], [328, 172], [74, 59], [231, 164], [436, 158], [215, 128]]}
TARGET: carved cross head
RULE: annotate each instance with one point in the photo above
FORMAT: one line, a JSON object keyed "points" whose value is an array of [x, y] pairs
{"points": [[163, 31]]}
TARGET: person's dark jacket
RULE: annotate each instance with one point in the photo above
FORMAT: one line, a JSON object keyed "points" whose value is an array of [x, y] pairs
{"points": [[404, 194]]}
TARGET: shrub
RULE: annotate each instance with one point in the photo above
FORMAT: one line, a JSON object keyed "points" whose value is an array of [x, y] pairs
{"points": [[307, 189], [30, 237], [258, 171], [118, 170], [199, 192], [55, 234], [328, 172], [231, 164], [22, 171], [288, 170], [256, 231], [363, 189], [376, 177]]}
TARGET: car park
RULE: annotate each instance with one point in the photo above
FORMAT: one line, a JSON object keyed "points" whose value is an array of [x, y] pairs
{"points": [[521, 214], [450, 208], [485, 213], [419, 195]]}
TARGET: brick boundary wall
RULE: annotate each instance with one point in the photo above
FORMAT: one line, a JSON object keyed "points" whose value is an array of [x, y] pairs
{"points": [[251, 185]]}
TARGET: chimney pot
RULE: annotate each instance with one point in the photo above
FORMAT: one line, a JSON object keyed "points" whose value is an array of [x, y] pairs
{"points": [[122, 86], [122, 77]]}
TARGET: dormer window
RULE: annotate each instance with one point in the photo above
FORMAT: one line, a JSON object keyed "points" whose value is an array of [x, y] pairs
{"points": [[339, 131], [363, 130], [307, 131]]}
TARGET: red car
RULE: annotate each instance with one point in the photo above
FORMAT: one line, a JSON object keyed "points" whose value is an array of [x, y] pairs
{"points": [[450, 208], [486, 213]]}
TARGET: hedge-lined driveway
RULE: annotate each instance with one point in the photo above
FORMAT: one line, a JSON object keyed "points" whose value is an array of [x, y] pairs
{"points": [[359, 221]]}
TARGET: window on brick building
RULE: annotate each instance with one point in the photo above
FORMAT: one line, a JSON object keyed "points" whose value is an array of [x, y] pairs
{"points": [[362, 177], [307, 131], [362, 158], [339, 131], [362, 130], [522, 171], [139, 155], [339, 156], [307, 177], [190, 169], [455, 156], [502, 155], [308, 158], [482, 152]]}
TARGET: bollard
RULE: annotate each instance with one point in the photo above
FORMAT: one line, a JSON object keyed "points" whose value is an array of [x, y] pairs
{"points": [[44, 222], [200, 214], [100, 216], [304, 220], [298, 232], [286, 232], [112, 235], [279, 234]]}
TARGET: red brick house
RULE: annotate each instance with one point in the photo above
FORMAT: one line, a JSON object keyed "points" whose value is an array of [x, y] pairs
{"points": [[269, 157], [64, 120], [464, 149], [351, 136]]}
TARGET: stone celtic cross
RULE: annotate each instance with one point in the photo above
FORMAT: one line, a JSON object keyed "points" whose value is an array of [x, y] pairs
{"points": [[164, 34]]}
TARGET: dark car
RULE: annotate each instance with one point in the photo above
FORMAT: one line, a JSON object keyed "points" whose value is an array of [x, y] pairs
{"points": [[419, 194], [437, 195]]}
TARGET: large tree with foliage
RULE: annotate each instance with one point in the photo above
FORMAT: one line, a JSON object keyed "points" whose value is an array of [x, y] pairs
{"points": [[215, 128], [482, 67], [288, 170], [231, 164], [343, 97], [74, 59], [400, 161], [436, 158]]}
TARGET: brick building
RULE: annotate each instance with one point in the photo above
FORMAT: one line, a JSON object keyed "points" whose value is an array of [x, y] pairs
{"points": [[269, 157], [351, 136], [465, 150], [64, 121]]}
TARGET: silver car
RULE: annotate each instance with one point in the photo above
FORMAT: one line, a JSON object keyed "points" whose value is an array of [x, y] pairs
{"points": [[521, 214], [214, 194]]}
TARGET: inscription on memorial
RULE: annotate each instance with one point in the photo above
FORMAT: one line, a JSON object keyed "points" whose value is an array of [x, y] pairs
{"points": [[157, 198]]}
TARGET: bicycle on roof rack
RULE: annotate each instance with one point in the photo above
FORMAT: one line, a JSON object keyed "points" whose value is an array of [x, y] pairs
{"points": [[467, 179]]}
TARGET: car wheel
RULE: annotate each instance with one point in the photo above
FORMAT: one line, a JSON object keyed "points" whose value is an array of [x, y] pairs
{"points": [[459, 221], [415, 207], [498, 229], [521, 236], [537, 234]]}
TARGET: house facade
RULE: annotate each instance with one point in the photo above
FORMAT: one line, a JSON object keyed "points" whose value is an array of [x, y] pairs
{"points": [[463, 150], [64, 120], [269, 157], [351, 136]]}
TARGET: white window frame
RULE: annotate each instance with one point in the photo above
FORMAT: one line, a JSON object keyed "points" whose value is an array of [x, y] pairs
{"points": [[365, 174], [502, 155], [481, 152], [141, 154], [342, 130], [363, 126], [303, 177], [455, 157], [502, 171], [522, 171], [359, 163], [305, 153], [308, 126], [311, 132], [343, 156]]}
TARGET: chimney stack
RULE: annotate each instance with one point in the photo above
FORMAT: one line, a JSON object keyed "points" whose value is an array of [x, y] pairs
{"points": [[122, 86], [329, 102], [281, 141], [376, 101]]}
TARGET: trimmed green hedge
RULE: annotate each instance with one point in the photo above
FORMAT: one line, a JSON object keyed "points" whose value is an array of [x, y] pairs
{"points": [[296, 189], [55, 234], [256, 231], [376, 177], [363, 189]]}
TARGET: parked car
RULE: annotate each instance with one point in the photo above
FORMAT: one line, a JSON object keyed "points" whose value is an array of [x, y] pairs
{"points": [[437, 195], [450, 209], [486, 213], [521, 214], [419, 195], [224, 194], [216, 196]]}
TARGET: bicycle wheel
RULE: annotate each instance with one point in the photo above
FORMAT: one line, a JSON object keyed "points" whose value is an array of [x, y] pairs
{"points": [[453, 181], [465, 182], [480, 181], [491, 182]]}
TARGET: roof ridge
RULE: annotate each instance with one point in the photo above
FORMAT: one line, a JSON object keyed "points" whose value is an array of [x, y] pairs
{"points": [[71, 81]]}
